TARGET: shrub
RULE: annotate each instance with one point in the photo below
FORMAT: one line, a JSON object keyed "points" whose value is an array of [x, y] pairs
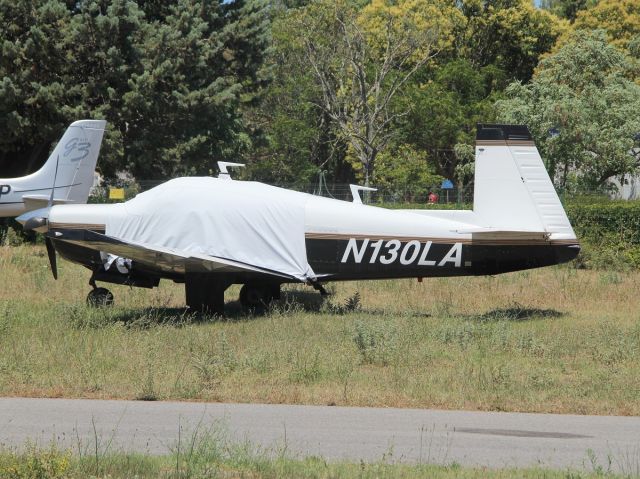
{"points": [[609, 233], [34, 464], [376, 341]]}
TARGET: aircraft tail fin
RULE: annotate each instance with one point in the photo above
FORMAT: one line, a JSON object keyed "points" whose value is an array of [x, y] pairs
{"points": [[513, 190], [71, 165]]}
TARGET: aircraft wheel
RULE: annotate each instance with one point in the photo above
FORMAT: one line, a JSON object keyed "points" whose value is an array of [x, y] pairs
{"points": [[100, 297], [255, 296]]}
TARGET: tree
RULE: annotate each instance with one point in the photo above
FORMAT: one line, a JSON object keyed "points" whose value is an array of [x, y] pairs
{"points": [[172, 80], [567, 8], [403, 169], [103, 41], [200, 65], [619, 18], [581, 110], [444, 111], [33, 90], [493, 43], [298, 139], [360, 70], [479, 47], [509, 34]]}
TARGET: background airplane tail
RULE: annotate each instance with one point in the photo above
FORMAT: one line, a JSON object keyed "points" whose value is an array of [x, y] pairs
{"points": [[513, 190], [72, 163]]}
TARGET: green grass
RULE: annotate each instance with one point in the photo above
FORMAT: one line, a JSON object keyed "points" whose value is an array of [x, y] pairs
{"points": [[553, 340], [212, 458]]}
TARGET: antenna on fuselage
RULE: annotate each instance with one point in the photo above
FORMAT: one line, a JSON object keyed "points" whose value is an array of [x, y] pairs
{"points": [[223, 165], [355, 192]]}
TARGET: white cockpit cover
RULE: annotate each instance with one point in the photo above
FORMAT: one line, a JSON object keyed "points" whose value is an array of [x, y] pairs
{"points": [[248, 222]]}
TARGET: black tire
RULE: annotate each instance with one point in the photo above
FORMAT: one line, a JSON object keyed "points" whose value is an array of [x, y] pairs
{"points": [[100, 297], [256, 297]]}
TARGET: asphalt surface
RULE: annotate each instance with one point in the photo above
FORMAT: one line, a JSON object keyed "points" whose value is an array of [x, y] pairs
{"points": [[369, 434]]}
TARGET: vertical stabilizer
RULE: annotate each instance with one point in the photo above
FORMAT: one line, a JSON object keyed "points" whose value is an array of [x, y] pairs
{"points": [[75, 157], [513, 190], [66, 177]]}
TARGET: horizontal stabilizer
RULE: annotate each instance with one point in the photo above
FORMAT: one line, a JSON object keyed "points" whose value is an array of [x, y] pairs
{"points": [[501, 232], [496, 236], [34, 202]]}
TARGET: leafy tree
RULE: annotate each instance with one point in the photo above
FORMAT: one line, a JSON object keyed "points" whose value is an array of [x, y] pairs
{"points": [[567, 8], [582, 111], [509, 34], [171, 79], [443, 112], [33, 90], [493, 43], [402, 168], [619, 18], [359, 68], [480, 46], [298, 138]]}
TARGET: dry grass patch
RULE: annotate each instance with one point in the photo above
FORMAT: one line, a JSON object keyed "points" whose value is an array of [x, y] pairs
{"points": [[551, 340]]}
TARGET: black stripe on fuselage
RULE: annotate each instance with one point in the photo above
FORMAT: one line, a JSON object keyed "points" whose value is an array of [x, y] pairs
{"points": [[45, 189], [326, 257], [360, 260]]}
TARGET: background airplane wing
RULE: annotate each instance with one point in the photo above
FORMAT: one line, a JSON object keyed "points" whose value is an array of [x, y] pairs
{"points": [[157, 258]]}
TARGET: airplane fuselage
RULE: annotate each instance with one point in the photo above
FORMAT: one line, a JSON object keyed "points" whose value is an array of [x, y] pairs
{"points": [[10, 203], [347, 241], [375, 258], [17, 197]]}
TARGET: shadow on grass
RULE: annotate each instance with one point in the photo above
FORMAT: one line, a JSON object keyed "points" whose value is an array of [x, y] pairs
{"points": [[290, 303], [140, 318], [147, 317], [518, 313], [314, 303]]}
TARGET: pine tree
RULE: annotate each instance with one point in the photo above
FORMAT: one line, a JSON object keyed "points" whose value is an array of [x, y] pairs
{"points": [[170, 78]]}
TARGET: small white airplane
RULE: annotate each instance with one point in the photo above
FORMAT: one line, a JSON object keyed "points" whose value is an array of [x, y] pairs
{"points": [[66, 177], [209, 233]]}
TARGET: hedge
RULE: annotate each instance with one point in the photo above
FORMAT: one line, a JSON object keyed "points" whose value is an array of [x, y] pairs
{"points": [[609, 231]]}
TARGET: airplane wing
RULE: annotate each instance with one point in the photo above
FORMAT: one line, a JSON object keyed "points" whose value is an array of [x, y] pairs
{"points": [[156, 258]]}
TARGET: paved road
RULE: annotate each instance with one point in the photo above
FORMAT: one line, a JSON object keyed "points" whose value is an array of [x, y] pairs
{"points": [[369, 434]]}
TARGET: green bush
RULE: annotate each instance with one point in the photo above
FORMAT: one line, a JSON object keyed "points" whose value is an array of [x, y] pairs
{"points": [[609, 233], [34, 464], [377, 342]]}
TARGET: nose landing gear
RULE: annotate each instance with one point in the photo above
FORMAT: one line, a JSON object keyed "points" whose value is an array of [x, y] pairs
{"points": [[100, 297]]}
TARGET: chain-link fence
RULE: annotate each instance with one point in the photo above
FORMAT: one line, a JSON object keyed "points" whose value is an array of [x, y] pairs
{"points": [[340, 191], [389, 196]]}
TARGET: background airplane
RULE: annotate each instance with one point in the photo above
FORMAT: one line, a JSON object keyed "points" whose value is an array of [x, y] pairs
{"points": [[209, 233], [68, 170]]}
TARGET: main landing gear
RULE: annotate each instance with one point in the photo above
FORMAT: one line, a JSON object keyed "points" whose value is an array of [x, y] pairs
{"points": [[257, 296], [205, 293]]}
